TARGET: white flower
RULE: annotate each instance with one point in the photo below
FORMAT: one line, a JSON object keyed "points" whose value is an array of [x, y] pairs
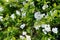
{"points": [[38, 15], [24, 2], [22, 37], [0, 28], [28, 37], [23, 14], [10, 5], [7, 0], [1, 18], [12, 16], [27, 0], [37, 27], [44, 7], [55, 30], [1, 9], [17, 12], [43, 25], [22, 26], [46, 27], [49, 39], [44, 31], [51, 11], [24, 33]]}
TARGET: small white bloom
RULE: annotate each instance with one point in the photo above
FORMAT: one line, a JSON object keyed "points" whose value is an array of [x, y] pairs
{"points": [[17, 12], [22, 37], [24, 2], [37, 27], [12, 16], [43, 14], [22, 26], [46, 27], [24, 33], [49, 39], [38, 15], [50, 11], [23, 14], [1, 18], [28, 37], [43, 25], [7, 0], [44, 31], [27, 0], [10, 5], [0, 28], [1, 9], [44, 7], [55, 30]]}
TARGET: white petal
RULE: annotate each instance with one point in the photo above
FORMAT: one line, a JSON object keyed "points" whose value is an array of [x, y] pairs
{"points": [[44, 31], [22, 26], [55, 30], [17, 12], [1, 9], [24, 33], [13, 16], [22, 37], [23, 14], [28, 37]]}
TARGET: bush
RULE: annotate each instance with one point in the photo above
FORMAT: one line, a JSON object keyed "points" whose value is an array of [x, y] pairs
{"points": [[29, 19]]}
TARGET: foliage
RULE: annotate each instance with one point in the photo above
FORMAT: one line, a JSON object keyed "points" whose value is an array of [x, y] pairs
{"points": [[20, 16]]}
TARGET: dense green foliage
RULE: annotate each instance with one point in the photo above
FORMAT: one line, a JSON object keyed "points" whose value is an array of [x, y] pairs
{"points": [[17, 16]]}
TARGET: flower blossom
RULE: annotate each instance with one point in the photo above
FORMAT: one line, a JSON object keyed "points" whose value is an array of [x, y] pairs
{"points": [[44, 6], [46, 28], [12, 16], [17, 12], [24, 33], [22, 26], [28, 37], [55, 30], [1, 9], [38, 15]]}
